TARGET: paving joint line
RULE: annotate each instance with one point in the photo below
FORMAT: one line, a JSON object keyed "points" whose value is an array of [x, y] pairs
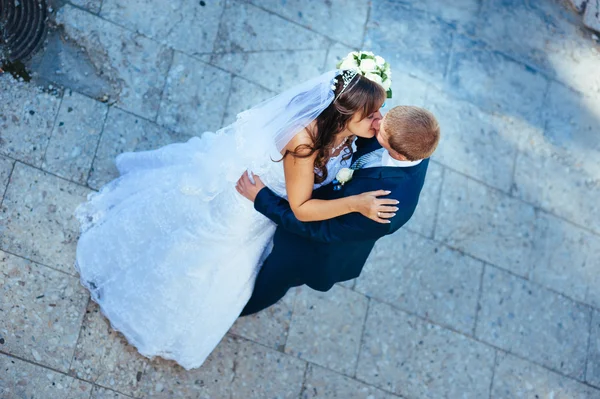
{"points": [[362, 335], [113, 390], [478, 305], [60, 104], [89, 174], [287, 333], [50, 173], [227, 101], [75, 377], [164, 86], [87, 304], [12, 169], [493, 373], [37, 262], [587, 351], [366, 26], [303, 387]]}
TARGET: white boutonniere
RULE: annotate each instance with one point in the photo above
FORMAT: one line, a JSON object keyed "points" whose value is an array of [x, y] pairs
{"points": [[344, 175]]}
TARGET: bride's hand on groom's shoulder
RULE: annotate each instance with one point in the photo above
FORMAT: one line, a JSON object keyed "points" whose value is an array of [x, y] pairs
{"points": [[247, 188]]}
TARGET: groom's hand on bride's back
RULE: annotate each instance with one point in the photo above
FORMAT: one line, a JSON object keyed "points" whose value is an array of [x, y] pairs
{"points": [[247, 188]]}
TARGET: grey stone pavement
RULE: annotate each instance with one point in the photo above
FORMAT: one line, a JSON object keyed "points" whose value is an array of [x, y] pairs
{"points": [[491, 291]]}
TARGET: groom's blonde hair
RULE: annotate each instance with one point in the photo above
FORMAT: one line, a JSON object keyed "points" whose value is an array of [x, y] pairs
{"points": [[412, 131]]}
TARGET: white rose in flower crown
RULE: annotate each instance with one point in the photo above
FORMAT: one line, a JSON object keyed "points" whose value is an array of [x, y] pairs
{"points": [[379, 61], [368, 65], [344, 175], [387, 84], [387, 69], [374, 78], [348, 63]]}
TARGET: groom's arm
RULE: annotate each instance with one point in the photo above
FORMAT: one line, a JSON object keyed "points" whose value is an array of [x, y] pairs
{"points": [[350, 227]]}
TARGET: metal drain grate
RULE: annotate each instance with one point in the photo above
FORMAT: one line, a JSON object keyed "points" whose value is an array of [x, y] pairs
{"points": [[22, 28]]}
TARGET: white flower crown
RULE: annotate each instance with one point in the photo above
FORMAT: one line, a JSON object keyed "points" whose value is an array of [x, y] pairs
{"points": [[371, 66]]}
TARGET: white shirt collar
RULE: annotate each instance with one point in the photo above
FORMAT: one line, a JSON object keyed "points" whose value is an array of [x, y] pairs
{"points": [[387, 160]]}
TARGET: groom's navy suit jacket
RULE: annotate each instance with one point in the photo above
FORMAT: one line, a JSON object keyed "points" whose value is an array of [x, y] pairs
{"points": [[319, 254]]}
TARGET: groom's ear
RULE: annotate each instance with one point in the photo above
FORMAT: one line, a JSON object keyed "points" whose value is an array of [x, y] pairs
{"points": [[396, 155]]}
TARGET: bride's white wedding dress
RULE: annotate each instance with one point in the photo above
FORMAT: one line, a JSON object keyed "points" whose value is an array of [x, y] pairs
{"points": [[170, 250]]}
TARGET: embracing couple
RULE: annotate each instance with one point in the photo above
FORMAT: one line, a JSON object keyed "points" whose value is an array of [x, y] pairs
{"points": [[173, 251]]}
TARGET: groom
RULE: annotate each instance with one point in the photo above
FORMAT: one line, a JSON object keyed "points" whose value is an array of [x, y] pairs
{"points": [[320, 254]]}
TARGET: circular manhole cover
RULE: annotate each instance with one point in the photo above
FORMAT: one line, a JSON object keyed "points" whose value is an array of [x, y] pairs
{"points": [[22, 28]]}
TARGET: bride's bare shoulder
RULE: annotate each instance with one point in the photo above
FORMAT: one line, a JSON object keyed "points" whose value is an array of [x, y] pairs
{"points": [[301, 139]]}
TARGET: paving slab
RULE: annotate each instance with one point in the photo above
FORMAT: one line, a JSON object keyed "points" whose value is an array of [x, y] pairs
{"points": [[26, 119], [460, 14], [265, 373], [103, 393], [517, 378], [558, 171], [574, 57], [136, 65], [104, 356], [244, 95], [42, 312], [476, 70], [410, 40], [125, 132], [485, 223], [324, 383], [419, 275], [415, 359], [38, 211], [530, 321], [165, 379], [186, 26], [522, 31], [566, 258], [326, 328], [407, 89], [274, 70], [245, 27], [269, 327], [66, 64], [591, 17], [341, 20], [592, 374], [335, 54], [194, 97], [571, 120], [423, 220], [476, 143], [20, 379], [75, 137]]}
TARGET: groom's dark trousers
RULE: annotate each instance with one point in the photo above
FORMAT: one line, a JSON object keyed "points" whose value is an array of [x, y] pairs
{"points": [[320, 254]]}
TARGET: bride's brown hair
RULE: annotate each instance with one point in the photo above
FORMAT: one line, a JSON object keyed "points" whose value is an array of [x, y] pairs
{"points": [[362, 95]]}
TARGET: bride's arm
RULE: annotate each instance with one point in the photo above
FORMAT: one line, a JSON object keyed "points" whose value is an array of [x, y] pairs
{"points": [[299, 178]]}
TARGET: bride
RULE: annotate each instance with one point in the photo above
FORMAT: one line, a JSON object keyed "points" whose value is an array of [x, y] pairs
{"points": [[170, 250]]}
